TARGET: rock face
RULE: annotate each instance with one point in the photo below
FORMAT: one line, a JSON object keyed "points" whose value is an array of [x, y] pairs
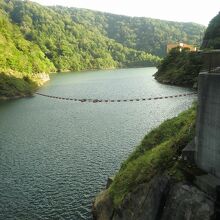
{"points": [[158, 199], [41, 78], [102, 207], [186, 202], [144, 202]]}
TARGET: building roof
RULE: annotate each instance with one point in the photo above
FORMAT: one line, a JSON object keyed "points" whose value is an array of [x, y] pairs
{"points": [[181, 45]]}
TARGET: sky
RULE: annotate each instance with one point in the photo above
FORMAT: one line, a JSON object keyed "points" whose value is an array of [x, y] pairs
{"points": [[198, 11]]}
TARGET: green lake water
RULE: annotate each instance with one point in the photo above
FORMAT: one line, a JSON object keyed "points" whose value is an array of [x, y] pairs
{"points": [[56, 155]]}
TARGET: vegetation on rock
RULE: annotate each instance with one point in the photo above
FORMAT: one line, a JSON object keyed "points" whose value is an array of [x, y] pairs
{"points": [[180, 68], [158, 152], [16, 85]]}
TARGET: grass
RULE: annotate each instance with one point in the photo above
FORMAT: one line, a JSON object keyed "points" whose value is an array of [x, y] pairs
{"points": [[158, 152]]}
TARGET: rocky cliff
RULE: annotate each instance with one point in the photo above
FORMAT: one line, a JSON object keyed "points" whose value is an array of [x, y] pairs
{"points": [[153, 184], [159, 199]]}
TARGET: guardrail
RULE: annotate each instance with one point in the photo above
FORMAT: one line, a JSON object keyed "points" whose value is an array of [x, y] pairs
{"points": [[211, 61]]}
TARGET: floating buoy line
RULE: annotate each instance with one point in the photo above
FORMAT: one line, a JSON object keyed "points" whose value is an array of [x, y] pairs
{"points": [[116, 100]]}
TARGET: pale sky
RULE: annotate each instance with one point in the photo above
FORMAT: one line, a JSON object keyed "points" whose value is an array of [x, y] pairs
{"points": [[198, 11]]}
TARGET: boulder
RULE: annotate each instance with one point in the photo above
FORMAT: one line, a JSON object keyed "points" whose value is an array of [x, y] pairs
{"points": [[186, 202], [102, 208], [145, 201]]}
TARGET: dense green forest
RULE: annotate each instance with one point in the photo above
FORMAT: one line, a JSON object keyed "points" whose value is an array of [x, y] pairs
{"points": [[19, 58], [212, 35], [35, 39], [69, 45], [18, 54], [151, 35], [182, 68]]}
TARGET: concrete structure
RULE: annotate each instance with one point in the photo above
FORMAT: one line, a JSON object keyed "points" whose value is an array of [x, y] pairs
{"points": [[188, 153], [208, 123], [211, 60]]}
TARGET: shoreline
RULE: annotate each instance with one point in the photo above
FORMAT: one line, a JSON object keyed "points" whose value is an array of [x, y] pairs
{"points": [[41, 78], [34, 83], [154, 182], [5, 98]]}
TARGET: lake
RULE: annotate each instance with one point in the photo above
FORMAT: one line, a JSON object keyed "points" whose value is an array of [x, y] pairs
{"points": [[56, 155]]}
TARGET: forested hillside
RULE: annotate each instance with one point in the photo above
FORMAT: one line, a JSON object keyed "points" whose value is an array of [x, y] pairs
{"points": [[69, 45], [19, 58], [35, 39], [182, 68], [151, 35], [212, 35], [18, 54]]}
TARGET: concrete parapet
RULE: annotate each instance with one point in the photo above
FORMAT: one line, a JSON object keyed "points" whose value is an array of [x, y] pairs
{"points": [[208, 123]]}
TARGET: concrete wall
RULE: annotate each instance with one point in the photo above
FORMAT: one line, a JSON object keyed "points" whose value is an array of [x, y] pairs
{"points": [[208, 123]]}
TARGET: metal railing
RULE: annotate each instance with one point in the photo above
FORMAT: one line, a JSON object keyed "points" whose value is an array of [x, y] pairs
{"points": [[211, 61]]}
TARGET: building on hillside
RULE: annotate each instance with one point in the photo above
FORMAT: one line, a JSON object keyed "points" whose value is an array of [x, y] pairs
{"points": [[181, 46]]}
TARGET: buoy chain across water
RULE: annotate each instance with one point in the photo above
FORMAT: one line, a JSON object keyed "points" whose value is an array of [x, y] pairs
{"points": [[116, 100]]}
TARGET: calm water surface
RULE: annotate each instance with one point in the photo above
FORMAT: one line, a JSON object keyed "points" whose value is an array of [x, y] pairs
{"points": [[56, 155]]}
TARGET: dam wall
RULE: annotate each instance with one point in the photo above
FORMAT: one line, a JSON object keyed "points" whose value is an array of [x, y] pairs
{"points": [[208, 123]]}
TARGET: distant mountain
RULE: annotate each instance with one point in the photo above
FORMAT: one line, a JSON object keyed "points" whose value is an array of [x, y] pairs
{"points": [[68, 44], [151, 35], [35, 39]]}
